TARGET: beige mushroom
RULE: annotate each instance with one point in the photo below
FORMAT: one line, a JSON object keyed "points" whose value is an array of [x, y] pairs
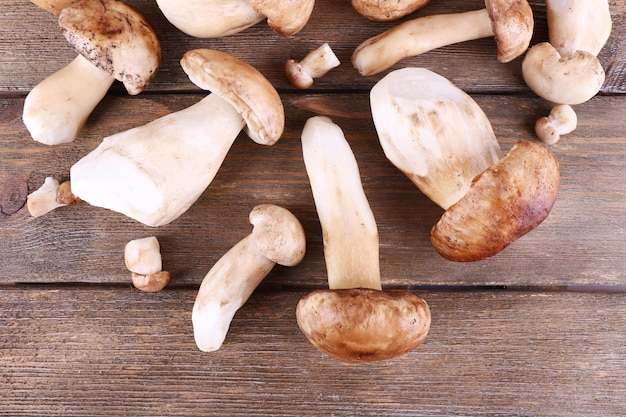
{"points": [[143, 258], [49, 196], [354, 320], [441, 139], [52, 6], [219, 18], [277, 238], [113, 41], [167, 164], [314, 65], [387, 10], [511, 23], [561, 121]]}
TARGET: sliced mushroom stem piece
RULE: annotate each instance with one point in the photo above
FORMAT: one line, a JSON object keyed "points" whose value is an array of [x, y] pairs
{"points": [[277, 237], [511, 23], [354, 320], [314, 65], [154, 173], [561, 121], [143, 256], [49, 196]]}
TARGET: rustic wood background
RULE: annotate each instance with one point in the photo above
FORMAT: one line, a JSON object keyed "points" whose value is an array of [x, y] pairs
{"points": [[537, 330]]}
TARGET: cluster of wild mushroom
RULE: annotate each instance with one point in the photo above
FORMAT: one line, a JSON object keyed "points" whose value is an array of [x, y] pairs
{"points": [[154, 173]]}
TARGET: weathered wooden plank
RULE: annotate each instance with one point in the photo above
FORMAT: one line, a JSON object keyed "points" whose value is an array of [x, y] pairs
{"points": [[32, 47], [114, 352], [581, 242]]}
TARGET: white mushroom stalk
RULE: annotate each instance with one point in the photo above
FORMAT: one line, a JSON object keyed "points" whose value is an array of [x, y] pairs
{"points": [[49, 196], [154, 173], [277, 237], [354, 320], [511, 23], [314, 65], [114, 42], [143, 258]]}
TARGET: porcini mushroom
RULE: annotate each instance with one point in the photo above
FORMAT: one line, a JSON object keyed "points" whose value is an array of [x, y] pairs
{"points": [[561, 121], [52, 6], [219, 18], [49, 196], [314, 65], [155, 172], [113, 41], [441, 139], [143, 258], [387, 10], [509, 22], [354, 320], [277, 238]]}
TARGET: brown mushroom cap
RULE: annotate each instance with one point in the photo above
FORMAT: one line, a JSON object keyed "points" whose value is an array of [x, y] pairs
{"points": [[286, 17], [512, 23], [52, 6], [505, 202], [243, 86], [278, 234], [387, 10], [115, 38], [363, 325]]}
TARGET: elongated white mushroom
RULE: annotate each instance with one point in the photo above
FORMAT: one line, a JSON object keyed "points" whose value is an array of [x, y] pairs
{"points": [[354, 320], [154, 173], [277, 237], [314, 65], [113, 41], [509, 22], [441, 139]]}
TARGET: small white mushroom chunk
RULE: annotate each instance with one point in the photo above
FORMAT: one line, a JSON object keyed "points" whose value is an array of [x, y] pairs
{"points": [[50, 196], [277, 238], [561, 121], [354, 320], [143, 258], [155, 172], [511, 23], [314, 65], [113, 41]]}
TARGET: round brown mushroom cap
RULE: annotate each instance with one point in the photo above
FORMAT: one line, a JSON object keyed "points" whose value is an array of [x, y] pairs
{"points": [[243, 86], [505, 202], [278, 234], [512, 23], [387, 10], [115, 38], [363, 325], [286, 17]]}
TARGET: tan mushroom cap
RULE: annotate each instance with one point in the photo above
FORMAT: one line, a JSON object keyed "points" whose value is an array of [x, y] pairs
{"points": [[387, 10], [512, 24], [505, 202], [363, 325], [243, 86], [286, 17], [115, 38], [278, 234], [52, 6]]}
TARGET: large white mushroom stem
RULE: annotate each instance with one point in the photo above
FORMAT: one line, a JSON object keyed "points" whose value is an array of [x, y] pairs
{"points": [[354, 320], [277, 237]]}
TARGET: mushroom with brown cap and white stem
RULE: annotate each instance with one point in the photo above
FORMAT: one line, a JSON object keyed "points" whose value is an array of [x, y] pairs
{"points": [[155, 172], [219, 18], [354, 320], [314, 65], [113, 41], [49, 196], [442, 140], [277, 238], [561, 121], [509, 22], [387, 10], [143, 259]]}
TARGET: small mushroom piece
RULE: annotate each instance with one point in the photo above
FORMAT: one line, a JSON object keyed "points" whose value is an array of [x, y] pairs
{"points": [[314, 65], [50, 196], [509, 22], [220, 18], [387, 10], [113, 41], [52, 6], [277, 238], [561, 121], [441, 139], [143, 256], [167, 164], [354, 320]]}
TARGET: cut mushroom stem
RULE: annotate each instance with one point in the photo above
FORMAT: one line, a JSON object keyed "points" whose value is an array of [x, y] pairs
{"points": [[50, 196], [561, 121], [143, 258], [314, 65], [442, 140], [354, 320], [277, 237], [511, 23], [154, 173]]}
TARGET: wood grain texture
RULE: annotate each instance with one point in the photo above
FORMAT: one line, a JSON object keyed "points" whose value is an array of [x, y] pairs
{"points": [[115, 352]]}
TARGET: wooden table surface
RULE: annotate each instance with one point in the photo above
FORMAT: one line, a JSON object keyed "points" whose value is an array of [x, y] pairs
{"points": [[539, 329]]}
